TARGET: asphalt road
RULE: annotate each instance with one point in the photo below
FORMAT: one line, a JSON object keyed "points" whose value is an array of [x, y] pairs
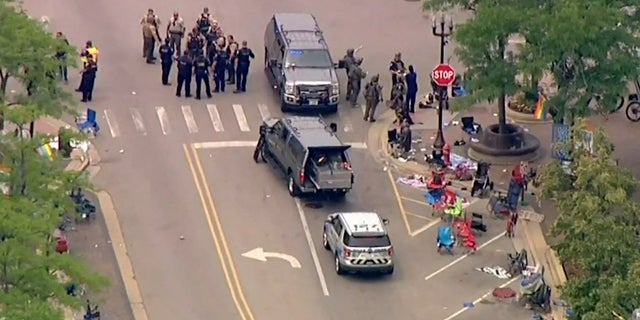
{"points": [[148, 167]]}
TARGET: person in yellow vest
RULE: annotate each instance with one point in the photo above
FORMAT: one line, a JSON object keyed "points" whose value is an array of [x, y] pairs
{"points": [[93, 51], [83, 58]]}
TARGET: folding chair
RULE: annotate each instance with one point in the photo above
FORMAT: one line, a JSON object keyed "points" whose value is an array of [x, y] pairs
{"points": [[88, 123], [470, 126]]}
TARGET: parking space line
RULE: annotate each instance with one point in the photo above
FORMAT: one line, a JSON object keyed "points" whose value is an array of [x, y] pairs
{"points": [[111, 123], [454, 262], [419, 216], [424, 202], [312, 248], [424, 228], [461, 311], [403, 213]]}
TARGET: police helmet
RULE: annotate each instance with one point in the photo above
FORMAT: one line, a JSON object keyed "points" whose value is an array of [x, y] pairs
{"points": [[359, 60], [350, 51]]}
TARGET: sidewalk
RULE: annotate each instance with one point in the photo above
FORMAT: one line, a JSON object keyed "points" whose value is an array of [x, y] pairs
{"points": [[529, 234], [91, 242]]}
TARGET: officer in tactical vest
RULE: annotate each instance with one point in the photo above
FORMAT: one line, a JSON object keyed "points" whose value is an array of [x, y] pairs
{"points": [[232, 51], [356, 74], [185, 67], [242, 67], [175, 32], [372, 96], [201, 65], [219, 68], [347, 62], [204, 24], [166, 58], [88, 79], [259, 151]]}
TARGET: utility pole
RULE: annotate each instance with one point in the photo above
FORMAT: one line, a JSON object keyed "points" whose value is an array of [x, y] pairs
{"points": [[442, 30]]}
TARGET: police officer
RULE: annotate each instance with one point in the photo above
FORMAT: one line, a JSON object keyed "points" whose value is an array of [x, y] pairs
{"points": [[201, 67], [412, 89], [204, 24], [347, 62], [88, 79], [396, 68], [219, 68], [373, 96], [166, 57], [259, 151], [356, 74], [185, 68], [232, 50], [242, 67], [175, 32]]}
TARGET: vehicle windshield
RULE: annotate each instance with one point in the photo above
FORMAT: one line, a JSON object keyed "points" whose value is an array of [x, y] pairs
{"points": [[366, 242], [308, 59]]}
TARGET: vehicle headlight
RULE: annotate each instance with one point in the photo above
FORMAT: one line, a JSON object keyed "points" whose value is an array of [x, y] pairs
{"points": [[288, 88], [335, 88]]}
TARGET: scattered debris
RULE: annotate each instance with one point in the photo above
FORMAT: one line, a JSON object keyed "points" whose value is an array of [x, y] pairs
{"points": [[498, 271], [181, 237], [503, 293], [133, 93], [313, 205], [495, 114], [121, 150]]}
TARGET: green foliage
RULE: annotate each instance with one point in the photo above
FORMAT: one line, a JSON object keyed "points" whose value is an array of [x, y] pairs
{"points": [[593, 39], [31, 286], [598, 222], [28, 55]]}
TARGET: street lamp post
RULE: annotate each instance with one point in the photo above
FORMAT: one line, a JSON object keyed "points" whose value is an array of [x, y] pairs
{"points": [[443, 31]]}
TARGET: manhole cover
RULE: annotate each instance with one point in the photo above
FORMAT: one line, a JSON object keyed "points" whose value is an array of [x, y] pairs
{"points": [[313, 205]]}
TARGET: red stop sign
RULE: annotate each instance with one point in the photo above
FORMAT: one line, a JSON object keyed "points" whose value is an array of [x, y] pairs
{"points": [[443, 75]]}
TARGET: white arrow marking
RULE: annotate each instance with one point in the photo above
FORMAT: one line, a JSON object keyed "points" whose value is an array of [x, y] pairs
{"points": [[260, 255]]}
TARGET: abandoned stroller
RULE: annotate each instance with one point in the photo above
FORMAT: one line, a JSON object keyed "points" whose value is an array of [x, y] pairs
{"points": [[481, 180]]}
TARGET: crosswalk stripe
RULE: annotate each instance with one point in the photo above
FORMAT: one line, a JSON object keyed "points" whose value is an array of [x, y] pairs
{"points": [[215, 117], [242, 119], [364, 108], [164, 120], [264, 111], [189, 119], [137, 121], [111, 122]]}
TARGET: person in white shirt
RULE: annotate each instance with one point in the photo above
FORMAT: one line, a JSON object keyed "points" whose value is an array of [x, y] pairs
{"points": [[175, 32]]}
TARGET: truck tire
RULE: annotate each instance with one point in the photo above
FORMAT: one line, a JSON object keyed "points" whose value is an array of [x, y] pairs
{"points": [[294, 191], [325, 241]]}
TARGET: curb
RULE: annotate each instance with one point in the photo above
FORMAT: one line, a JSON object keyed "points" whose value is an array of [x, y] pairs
{"points": [[125, 266], [524, 118]]}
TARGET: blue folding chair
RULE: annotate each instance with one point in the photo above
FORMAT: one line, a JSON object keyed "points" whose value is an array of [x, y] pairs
{"points": [[88, 123]]}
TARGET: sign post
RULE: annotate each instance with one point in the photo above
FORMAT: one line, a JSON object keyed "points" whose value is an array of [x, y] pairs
{"points": [[443, 75]]}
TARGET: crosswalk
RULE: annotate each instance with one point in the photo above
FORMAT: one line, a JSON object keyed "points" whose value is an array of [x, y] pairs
{"points": [[194, 119]]}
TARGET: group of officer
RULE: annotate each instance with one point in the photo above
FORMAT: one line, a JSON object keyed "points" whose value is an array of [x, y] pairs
{"points": [[207, 49], [355, 75]]}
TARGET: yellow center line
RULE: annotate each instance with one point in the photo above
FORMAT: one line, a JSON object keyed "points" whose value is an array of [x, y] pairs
{"points": [[423, 202], [403, 213], [215, 227]]}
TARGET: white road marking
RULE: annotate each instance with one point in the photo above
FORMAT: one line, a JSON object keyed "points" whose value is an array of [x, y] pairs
{"points": [[424, 228], [264, 111], [240, 117], [111, 122], [312, 248], [364, 109], [261, 255], [461, 311], [347, 126], [246, 144], [215, 117], [164, 120], [454, 262], [189, 119], [137, 121]]}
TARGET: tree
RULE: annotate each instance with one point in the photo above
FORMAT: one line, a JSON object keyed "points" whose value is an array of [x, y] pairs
{"points": [[39, 189], [588, 47], [598, 222], [28, 56]]}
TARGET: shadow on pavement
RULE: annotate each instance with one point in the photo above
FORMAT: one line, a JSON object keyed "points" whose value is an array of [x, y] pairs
{"points": [[92, 243]]}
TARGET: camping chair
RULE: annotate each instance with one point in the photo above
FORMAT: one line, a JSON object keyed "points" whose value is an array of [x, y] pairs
{"points": [[88, 123], [469, 126]]}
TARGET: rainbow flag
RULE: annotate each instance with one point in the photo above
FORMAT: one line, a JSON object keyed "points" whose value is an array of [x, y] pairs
{"points": [[542, 108], [47, 151]]}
